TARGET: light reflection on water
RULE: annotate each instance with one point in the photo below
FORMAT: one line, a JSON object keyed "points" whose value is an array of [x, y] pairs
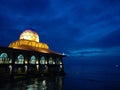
{"points": [[37, 85], [78, 78], [44, 83]]}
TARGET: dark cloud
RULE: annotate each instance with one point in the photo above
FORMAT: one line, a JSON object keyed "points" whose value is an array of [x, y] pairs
{"points": [[110, 40], [63, 24], [26, 7]]}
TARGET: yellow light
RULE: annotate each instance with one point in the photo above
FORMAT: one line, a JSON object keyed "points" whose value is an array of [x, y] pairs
{"points": [[26, 62], [46, 62], [10, 61], [60, 66], [53, 62], [26, 68], [15, 62], [29, 40], [37, 67], [30, 35], [37, 62], [10, 68], [44, 82], [60, 62]]}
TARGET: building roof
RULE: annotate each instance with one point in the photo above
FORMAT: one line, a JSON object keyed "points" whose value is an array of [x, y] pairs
{"points": [[29, 40], [37, 49]]}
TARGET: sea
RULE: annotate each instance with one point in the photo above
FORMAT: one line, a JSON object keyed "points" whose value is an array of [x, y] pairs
{"points": [[94, 73]]}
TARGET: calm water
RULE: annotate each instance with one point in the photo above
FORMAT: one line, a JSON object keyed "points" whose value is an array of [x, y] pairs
{"points": [[79, 77]]}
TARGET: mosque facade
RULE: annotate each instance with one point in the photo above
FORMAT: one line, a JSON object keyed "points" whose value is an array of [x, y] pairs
{"points": [[29, 56]]}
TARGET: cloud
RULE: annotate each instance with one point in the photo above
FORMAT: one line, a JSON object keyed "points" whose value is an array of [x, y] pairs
{"points": [[63, 24], [110, 40], [94, 52]]}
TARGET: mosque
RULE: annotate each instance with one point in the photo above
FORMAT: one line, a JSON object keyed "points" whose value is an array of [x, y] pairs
{"points": [[29, 56]]}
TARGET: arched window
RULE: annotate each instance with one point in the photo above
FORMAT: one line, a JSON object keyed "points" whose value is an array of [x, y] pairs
{"points": [[20, 59], [32, 60], [42, 60], [50, 60], [4, 58]]}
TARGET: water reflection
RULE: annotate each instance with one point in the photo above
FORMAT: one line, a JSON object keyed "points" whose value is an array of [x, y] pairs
{"points": [[44, 83], [38, 85]]}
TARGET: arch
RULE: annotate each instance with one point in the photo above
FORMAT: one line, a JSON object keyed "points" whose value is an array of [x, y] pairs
{"points": [[20, 59], [50, 60], [17, 43], [32, 59], [42, 60], [4, 58]]}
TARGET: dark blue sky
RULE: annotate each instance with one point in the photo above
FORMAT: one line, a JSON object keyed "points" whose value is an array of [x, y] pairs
{"points": [[75, 27]]}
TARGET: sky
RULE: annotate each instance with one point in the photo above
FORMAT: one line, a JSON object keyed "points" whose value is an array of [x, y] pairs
{"points": [[78, 28]]}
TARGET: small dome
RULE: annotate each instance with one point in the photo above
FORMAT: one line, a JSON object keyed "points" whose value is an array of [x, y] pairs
{"points": [[30, 35]]}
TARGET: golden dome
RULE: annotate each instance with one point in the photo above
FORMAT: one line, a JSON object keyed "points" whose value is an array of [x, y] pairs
{"points": [[29, 39], [30, 35]]}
